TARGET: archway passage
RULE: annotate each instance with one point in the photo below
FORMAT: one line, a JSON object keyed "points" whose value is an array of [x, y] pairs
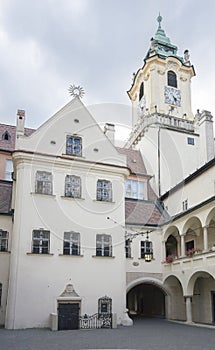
{"points": [[146, 300]]}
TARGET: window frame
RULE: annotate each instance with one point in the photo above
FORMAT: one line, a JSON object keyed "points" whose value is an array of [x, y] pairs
{"points": [[104, 245], [140, 193], [4, 236], [74, 184], [72, 245], [40, 248], [104, 190], [44, 185], [128, 248], [1, 290], [146, 247], [71, 145], [172, 79]]}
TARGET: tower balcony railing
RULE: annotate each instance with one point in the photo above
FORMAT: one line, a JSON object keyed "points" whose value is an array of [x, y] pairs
{"points": [[162, 121]]}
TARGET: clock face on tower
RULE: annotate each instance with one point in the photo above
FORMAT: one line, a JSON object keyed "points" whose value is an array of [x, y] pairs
{"points": [[172, 96]]}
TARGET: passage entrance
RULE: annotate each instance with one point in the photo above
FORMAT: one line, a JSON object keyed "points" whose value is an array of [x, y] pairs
{"points": [[68, 316], [146, 300]]}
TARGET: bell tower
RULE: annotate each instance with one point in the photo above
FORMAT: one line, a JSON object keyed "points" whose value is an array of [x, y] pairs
{"points": [[163, 84]]}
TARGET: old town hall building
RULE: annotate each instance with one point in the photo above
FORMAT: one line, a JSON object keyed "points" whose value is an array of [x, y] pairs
{"points": [[89, 230]]}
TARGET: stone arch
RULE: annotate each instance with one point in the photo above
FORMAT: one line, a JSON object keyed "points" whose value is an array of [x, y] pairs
{"points": [[176, 302], [210, 224], [172, 241], [193, 232], [201, 287], [146, 297]]}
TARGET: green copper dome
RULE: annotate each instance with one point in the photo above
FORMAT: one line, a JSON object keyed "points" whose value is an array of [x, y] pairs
{"points": [[161, 45]]}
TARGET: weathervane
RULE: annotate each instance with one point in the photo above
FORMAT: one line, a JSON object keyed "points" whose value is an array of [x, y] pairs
{"points": [[76, 91]]}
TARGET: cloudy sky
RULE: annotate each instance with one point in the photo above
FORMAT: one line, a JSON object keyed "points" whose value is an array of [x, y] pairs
{"points": [[46, 45]]}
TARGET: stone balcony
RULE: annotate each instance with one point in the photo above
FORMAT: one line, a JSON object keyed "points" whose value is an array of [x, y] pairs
{"points": [[161, 120], [200, 261]]}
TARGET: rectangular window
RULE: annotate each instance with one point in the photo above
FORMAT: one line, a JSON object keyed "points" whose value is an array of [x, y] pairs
{"points": [[185, 205], [74, 146], [145, 248], [128, 248], [43, 182], [3, 241], [104, 191], [40, 242], [190, 141], [8, 170], [71, 243], [73, 186], [134, 189], [103, 245]]}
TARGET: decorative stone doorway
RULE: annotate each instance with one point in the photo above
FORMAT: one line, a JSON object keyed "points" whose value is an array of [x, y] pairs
{"points": [[69, 304]]}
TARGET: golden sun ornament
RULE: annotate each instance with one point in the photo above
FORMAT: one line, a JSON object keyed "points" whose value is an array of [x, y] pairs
{"points": [[76, 91]]}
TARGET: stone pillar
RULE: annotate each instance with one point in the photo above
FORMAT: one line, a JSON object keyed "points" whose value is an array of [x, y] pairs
{"points": [[205, 238], [188, 308], [182, 246], [163, 258]]}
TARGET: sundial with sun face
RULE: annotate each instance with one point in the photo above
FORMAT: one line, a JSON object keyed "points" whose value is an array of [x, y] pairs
{"points": [[76, 91]]}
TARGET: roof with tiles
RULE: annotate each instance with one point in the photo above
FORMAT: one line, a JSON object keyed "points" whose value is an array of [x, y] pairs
{"points": [[8, 136], [5, 197], [134, 161], [143, 213]]}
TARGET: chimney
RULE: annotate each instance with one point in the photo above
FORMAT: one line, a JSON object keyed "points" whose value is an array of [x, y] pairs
{"points": [[109, 131], [20, 123]]}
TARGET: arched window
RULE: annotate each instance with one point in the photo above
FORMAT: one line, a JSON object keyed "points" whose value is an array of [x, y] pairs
{"points": [[141, 93], [6, 136], [172, 78]]}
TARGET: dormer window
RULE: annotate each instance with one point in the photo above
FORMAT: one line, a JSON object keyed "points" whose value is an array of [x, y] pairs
{"points": [[74, 146], [141, 93], [171, 79], [6, 136], [134, 189]]}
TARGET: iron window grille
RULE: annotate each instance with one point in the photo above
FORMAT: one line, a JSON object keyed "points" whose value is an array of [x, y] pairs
{"points": [[74, 146], [146, 248], [43, 182], [3, 241], [104, 191], [128, 248], [41, 242], [71, 243], [103, 245], [73, 186]]}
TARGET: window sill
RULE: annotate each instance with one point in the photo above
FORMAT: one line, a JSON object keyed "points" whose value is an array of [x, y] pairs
{"points": [[40, 254], [103, 257], [71, 255], [108, 202], [144, 259], [5, 252], [71, 156], [73, 198], [129, 257], [43, 194]]}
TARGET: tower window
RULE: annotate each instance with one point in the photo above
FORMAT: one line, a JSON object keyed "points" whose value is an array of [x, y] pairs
{"points": [[172, 79], [6, 136], [141, 93]]}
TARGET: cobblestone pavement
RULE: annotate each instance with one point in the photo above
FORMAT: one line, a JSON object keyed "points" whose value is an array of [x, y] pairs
{"points": [[149, 334]]}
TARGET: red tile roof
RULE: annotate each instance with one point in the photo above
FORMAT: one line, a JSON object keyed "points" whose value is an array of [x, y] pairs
{"points": [[143, 213], [5, 197], [9, 145], [134, 160]]}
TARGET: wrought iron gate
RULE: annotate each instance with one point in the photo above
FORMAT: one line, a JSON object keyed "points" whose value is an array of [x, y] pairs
{"points": [[95, 321]]}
